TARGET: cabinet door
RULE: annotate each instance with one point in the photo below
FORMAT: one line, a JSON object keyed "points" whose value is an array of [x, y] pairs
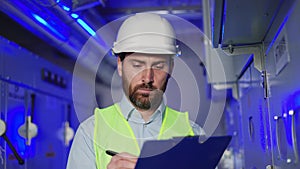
{"points": [[255, 121]]}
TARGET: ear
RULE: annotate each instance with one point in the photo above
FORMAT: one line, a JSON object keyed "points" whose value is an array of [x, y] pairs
{"points": [[120, 67]]}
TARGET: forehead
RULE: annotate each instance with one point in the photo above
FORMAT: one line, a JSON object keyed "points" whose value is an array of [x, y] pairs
{"points": [[148, 57]]}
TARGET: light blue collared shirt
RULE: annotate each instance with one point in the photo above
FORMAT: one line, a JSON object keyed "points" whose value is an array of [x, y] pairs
{"points": [[82, 153], [143, 130]]}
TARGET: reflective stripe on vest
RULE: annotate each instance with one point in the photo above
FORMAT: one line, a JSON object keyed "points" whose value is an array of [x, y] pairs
{"points": [[113, 132]]}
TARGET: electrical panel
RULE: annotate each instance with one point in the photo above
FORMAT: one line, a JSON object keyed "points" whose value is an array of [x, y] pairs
{"points": [[36, 110]]}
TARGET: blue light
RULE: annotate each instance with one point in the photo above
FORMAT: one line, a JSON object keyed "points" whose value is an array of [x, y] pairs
{"points": [[297, 100], [224, 18], [278, 32], [86, 27], [65, 8], [14, 121], [74, 15], [45, 23], [41, 20], [262, 129], [292, 106]]}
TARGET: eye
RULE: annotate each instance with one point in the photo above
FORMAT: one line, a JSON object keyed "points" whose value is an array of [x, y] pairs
{"points": [[136, 65], [159, 66]]}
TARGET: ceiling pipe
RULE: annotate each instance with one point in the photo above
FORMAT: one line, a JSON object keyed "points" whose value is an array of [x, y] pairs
{"points": [[63, 46], [74, 42], [97, 41], [72, 46], [79, 5]]}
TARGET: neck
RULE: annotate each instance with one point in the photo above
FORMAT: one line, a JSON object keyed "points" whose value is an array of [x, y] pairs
{"points": [[146, 114]]}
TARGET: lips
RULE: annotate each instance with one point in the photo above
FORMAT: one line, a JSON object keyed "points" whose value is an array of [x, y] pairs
{"points": [[146, 89]]}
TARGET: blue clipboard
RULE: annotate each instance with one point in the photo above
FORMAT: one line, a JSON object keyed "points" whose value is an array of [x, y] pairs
{"points": [[183, 153]]}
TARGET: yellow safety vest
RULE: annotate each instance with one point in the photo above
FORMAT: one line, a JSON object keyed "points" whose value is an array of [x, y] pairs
{"points": [[113, 132]]}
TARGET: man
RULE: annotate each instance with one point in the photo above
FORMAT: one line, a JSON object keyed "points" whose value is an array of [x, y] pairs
{"points": [[145, 47]]}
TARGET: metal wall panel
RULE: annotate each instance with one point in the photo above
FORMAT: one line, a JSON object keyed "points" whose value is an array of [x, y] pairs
{"points": [[23, 67], [255, 124], [22, 76], [283, 61], [271, 123], [234, 155]]}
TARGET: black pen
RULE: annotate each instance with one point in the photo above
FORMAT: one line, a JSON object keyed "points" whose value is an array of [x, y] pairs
{"points": [[110, 152]]}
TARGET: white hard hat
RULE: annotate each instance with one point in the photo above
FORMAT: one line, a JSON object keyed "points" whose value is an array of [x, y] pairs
{"points": [[146, 33]]}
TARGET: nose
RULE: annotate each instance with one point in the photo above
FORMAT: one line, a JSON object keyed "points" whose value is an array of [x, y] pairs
{"points": [[148, 75]]}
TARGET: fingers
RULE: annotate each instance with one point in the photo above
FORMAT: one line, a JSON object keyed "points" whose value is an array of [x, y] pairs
{"points": [[128, 157], [122, 161]]}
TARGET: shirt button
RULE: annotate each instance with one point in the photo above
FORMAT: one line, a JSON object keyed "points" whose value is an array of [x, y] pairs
{"points": [[144, 125]]}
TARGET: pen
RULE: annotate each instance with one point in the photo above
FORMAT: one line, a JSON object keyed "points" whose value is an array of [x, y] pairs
{"points": [[110, 152]]}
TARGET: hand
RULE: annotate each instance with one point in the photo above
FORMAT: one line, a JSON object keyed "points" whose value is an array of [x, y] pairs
{"points": [[122, 161]]}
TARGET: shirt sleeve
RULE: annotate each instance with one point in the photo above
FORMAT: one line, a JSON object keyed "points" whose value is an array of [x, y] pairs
{"points": [[82, 154]]}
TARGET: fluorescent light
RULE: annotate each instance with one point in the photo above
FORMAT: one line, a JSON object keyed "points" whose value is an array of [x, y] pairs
{"points": [[65, 8], [74, 15], [45, 23], [41, 20], [86, 27]]}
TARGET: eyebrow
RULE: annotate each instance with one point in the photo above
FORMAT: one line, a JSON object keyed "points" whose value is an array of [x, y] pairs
{"points": [[143, 62], [136, 60]]}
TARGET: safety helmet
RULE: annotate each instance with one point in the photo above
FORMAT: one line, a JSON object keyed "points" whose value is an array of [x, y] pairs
{"points": [[146, 33]]}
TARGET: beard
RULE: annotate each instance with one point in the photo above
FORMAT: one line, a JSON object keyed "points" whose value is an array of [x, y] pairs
{"points": [[146, 101]]}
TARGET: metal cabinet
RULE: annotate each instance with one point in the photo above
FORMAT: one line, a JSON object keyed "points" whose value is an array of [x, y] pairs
{"points": [[28, 93], [266, 88]]}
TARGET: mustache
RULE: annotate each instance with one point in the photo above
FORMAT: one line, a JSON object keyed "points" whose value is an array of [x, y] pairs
{"points": [[145, 86]]}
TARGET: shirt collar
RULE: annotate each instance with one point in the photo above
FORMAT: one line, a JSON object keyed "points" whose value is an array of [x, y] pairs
{"points": [[127, 107]]}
